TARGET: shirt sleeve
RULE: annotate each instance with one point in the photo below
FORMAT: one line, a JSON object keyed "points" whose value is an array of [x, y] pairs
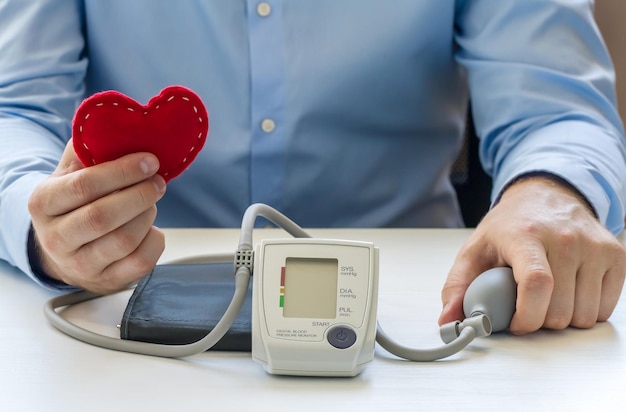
{"points": [[41, 82], [543, 97]]}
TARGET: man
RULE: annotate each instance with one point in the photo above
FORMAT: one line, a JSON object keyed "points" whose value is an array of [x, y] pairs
{"points": [[342, 113]]}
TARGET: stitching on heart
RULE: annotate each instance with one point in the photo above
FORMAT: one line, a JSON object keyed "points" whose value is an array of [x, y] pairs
{"points": [[185, 98]]}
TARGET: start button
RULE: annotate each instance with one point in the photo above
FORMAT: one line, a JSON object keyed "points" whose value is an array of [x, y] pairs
{"points": [[341, 337]]}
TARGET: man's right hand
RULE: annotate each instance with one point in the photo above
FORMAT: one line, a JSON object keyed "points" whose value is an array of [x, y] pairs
{"points": [[94, 226]]}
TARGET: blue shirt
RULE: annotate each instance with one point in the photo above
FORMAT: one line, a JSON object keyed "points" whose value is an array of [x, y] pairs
{"points": [[342, 113]]}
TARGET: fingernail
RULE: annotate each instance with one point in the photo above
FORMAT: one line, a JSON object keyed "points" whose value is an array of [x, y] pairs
{"points": [[149, 165], [445, 308], [159, 183]]}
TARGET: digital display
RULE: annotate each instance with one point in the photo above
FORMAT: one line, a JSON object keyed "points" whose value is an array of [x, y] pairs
{"points": [[310, 288]]}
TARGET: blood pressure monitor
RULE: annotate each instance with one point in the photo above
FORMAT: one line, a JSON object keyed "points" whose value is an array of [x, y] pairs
{"points": [[314, 306]]}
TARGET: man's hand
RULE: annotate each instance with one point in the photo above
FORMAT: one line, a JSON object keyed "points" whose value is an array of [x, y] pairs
{"points": [[569, 268], [93, 226]]}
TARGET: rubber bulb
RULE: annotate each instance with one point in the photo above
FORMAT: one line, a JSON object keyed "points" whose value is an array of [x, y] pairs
{"points": [[492, 293]]}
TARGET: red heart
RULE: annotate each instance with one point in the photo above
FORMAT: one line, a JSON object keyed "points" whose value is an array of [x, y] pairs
{"points": [[173, 126]]}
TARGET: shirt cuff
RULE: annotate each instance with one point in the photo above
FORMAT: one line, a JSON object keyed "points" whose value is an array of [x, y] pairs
{"points": [[592, 171]]}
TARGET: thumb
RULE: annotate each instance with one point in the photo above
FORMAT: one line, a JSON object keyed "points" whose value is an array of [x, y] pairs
{"points": [[468, 265], [452, 300], [459, 278]]}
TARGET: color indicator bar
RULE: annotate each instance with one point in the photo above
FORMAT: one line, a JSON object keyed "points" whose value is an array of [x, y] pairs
{"points": [[282, 287]]}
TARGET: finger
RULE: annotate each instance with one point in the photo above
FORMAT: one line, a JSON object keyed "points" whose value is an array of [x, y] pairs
{"points": [[564, 266], [534, 287], [71, 191], [133, 267], [599, 283], [612, 285], [106, 214], [119, 243], [587, 297]]}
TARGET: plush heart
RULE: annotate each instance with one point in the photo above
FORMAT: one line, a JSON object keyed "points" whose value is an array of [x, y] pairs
{"points": [[173, 126]]}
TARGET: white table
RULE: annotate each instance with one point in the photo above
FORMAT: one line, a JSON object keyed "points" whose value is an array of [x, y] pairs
{"points": [[45, 370]]}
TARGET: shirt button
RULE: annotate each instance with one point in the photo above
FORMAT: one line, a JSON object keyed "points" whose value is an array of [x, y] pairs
{"points": [[263, 9], [268, 125]]}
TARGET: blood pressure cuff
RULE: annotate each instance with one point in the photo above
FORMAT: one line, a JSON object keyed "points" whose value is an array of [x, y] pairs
{"points": [[180, 304]]}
